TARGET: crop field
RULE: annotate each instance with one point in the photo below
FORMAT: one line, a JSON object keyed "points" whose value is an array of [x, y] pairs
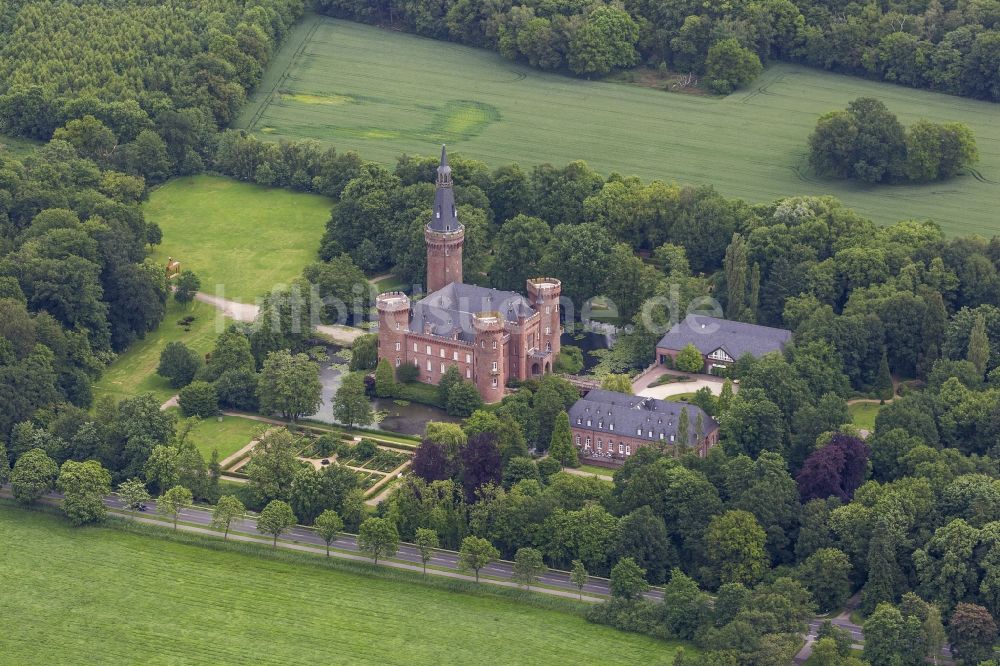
{"points": [[105, 596], [134, 371], [384, 93], [244, 237]]}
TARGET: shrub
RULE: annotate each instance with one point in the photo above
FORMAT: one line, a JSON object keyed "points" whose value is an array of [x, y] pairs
{"points": [[407, 373], [689, 359], [199, 399], [365, 449]]}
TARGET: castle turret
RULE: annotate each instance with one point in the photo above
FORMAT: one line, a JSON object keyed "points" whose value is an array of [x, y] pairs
{"points": [[393, 324], [491, 355], [544, 293], [444, 234]]}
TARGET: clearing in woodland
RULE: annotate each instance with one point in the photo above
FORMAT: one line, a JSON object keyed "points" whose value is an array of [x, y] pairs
{"points": [[242, 240], [384, 93]]}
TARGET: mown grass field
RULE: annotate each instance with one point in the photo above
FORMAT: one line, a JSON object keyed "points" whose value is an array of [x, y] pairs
{"points": [[227, 436], [863, 414], [244, 237], [106, 596], [385, 93], [134, 372]]}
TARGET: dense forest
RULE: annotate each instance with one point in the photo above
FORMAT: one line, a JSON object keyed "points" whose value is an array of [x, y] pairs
{"points": [[952, 46], [162, 76]]}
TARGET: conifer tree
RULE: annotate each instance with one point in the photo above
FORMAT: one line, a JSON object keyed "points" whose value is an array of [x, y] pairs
{"points": [[561, 447]]}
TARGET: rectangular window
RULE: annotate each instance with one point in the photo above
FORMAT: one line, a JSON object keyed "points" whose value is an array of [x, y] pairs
{"points": [[428, 349], [398, 346], [468, 373], [671, 438], [494, 382], [442, 368], [548, 330], [468, 358], [599, 442], [430, 368], [548, 310], [397, 362], [611, 426], [628, 449], [588, 441], [414, 346], [494, 366], [442, 352], [578, 440], [494, 344], [454, 356], [621, 448]]}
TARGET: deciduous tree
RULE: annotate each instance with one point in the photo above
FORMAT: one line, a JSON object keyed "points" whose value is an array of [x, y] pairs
{"points": [[426, 541], [172, 502], [227, 509], [378, 537], [276, 518], [475, 554], [84, 486], [528, 566], [34, 474]]}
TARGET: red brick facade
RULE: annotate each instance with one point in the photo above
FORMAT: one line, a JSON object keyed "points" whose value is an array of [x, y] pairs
{"points": [[594, 446], [463, 326], [500, 350], [444, 257]]}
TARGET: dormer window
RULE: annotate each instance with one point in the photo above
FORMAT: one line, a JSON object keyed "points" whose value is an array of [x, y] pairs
{"points": [[588, 423], [661, 436], [671, 438], [638, 431], [600, 424], [579, 421], [611, 426], [651, 434]]}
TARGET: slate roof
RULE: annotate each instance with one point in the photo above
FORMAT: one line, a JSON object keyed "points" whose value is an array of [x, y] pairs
{"points": [[734, 337], [445, 216], [626, 415], [449, 310]]}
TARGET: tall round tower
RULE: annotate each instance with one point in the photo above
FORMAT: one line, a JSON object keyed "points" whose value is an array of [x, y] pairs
{"points": [[490, 355], [544, 293], [393, 325], [444, 234]]}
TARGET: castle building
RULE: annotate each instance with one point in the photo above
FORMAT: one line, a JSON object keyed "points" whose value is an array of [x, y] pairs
{"points": [[491, 336]]}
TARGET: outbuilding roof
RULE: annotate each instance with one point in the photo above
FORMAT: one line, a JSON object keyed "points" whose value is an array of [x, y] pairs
{"points": [[736, 338]]}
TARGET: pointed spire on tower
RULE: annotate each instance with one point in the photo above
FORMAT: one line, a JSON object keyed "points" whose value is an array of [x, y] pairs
{"points": [[445, 216]]}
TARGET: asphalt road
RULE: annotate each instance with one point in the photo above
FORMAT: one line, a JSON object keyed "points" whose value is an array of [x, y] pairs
{"points": [[442, 559]]}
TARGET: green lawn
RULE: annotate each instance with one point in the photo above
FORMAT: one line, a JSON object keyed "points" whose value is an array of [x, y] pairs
{"points": [[594, 469], [134, 371], [240, 239], [863, 414], [227, 436], [106, 596], [384, 93]]}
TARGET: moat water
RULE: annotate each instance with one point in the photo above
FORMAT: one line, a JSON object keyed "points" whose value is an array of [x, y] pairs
{"points": [[411, 418]]}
